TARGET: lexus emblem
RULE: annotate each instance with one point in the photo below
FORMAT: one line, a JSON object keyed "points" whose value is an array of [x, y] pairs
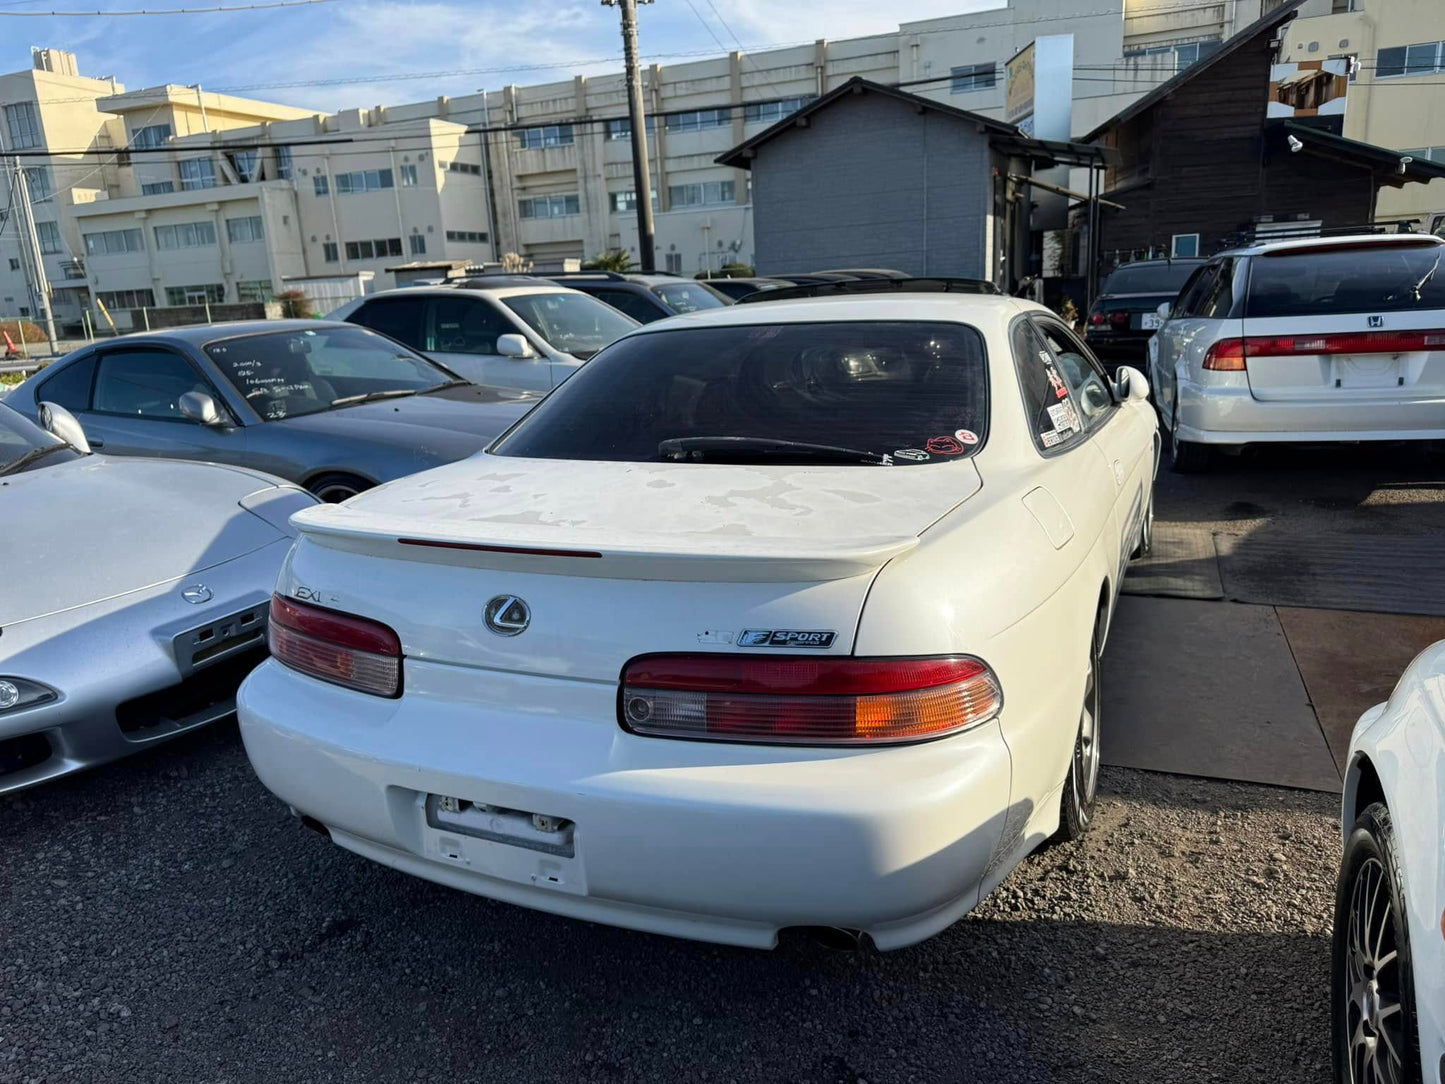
{"points": [[507, 615], [1376, 321], [196, 593]]}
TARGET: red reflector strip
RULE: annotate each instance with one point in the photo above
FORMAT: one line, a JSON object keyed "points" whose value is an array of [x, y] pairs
{"points": [[336, 647], [806, 701], [525, 550], [1344, 342]]}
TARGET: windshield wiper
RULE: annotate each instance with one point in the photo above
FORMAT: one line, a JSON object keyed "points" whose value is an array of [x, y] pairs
{"points": [[724, 448], [444, 384], [30, 457], [371, 396]]}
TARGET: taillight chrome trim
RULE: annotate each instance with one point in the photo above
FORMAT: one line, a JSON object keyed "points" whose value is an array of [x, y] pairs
{"points": [[867, 693]]}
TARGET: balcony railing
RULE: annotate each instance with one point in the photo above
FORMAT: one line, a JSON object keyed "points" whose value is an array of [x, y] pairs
{"points": [[73, 269]]}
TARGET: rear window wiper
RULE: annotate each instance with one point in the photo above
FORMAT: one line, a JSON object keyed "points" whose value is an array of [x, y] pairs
{"points": [[367, 397], [725, 448]]}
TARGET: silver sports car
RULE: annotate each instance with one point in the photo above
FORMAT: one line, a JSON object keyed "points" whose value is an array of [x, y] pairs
{"points": [[333, 407], [133, 596]]}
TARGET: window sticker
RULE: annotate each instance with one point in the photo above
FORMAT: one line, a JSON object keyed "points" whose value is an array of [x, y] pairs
{"points": [[1052, 437], [911, 455], [965, 436], [1063, 416], [1059, 390], [944, 446]]}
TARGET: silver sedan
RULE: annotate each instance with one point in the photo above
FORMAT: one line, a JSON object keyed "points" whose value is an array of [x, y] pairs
{"points": [[333, 407], [132, 603]]}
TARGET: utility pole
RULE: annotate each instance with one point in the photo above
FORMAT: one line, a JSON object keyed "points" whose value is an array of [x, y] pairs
{"points": [[30, 244], [641, 171]]}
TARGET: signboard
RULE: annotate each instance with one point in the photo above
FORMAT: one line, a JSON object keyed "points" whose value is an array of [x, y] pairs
{"points": [[1019, 95], [1311, 90]]}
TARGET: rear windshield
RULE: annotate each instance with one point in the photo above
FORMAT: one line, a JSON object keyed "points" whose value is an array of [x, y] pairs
{"points": [[688, 297], [915, 391], [1385, 278], [1155, 278]]}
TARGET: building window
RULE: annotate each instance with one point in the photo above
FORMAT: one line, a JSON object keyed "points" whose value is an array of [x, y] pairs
{"points": [[464, 167], [473, 237], [283, 163], [213, 292], [197, 173], [697, 120], [1424, 58], [24, 124], [247, 165], [769, 112], [151, 136], [319, 183], [1184, 55], [373, 250], [625, 202], [1184, 246], [114, 242], [127, 299], [328, 252], [549, 207], [972, 77], [186, 235], [674, 262], [363, 180], [14, 264], [252, 292], [244, 231], [50, 242], [622, 129], [157, 188], [37, 179], [701, 195], [417, 242], [408, 176], [552, 135]]}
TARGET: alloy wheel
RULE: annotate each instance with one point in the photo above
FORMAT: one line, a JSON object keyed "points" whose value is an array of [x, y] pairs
{"points": [[1372, 1004], [1086, 749]]}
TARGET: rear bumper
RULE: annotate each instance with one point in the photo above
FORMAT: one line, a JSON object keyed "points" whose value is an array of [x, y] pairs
{"points": [[1231, 415], [715, 842]]}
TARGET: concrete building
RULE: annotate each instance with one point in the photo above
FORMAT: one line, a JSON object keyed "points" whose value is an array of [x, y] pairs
{"points": [[344, 196], [1395, 94]]}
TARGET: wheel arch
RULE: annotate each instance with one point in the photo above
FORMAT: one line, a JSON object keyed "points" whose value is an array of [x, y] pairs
{"points": [[1363, 787]]}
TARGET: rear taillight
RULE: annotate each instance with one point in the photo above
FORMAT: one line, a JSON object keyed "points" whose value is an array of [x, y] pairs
{"points": [[1096, 319], [812, 700], [1119, 319], [1345, 342], [337, 647], [1225, 356]]}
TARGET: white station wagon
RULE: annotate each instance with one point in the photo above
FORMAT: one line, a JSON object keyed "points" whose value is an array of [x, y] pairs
{"points": [[777, 615]]}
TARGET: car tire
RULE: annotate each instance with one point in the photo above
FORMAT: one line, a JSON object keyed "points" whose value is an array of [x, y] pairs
{"points": [[1081, 784], [1145, 544], [1186, 457], [1372, 1003], [336, 487]]}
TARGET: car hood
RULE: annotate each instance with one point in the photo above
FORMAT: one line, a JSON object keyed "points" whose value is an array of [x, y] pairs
{"points": [[467, 414], [655, 520], [99, 527]]}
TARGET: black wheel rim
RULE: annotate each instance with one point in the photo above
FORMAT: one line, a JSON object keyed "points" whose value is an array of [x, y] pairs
{"points": [[1086, 748], [1374, 1016]]}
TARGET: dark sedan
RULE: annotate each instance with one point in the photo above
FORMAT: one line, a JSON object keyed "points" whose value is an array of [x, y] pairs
{"points": [[1125, 315], [331, 406]]}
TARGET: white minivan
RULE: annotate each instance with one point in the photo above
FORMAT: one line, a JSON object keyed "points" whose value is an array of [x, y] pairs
{"points": [[1325, 339]]}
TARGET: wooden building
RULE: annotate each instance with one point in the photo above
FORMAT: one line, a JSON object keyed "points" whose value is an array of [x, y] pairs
{"points": [[1201, 167]]}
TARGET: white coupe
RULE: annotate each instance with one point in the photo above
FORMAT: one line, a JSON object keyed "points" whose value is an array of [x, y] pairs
{"points": [[776, 615], [1389, 941]]}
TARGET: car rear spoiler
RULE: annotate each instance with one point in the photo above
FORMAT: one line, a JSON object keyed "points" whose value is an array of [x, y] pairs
{"points": [[874, 286]]}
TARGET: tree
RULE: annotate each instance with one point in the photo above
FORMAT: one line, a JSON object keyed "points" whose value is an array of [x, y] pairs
{"points": [[614, 259]]}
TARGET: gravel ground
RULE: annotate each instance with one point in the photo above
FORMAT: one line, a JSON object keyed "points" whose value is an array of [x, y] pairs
{"points": [[165, 920]]}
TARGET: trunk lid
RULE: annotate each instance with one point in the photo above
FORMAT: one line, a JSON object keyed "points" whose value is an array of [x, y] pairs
{"points": [[615, 560]]}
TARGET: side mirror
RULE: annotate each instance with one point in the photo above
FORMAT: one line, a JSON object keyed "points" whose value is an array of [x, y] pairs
{"points": [[515, 346], [1164, 309], [54, 418], [1130, 383], [200, 407]]}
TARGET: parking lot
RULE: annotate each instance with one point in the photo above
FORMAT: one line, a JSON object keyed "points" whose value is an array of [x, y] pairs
{"points": [[166, 919]]}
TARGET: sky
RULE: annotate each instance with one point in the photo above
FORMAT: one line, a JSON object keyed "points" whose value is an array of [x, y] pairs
{"points": [[480, 43]]}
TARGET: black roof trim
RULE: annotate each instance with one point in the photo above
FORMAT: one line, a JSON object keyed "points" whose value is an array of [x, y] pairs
{"points": [[1273, 20], [1325, 143]]}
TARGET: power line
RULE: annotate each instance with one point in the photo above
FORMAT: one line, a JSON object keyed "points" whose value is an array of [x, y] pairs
{"points": [[160, 11]]}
